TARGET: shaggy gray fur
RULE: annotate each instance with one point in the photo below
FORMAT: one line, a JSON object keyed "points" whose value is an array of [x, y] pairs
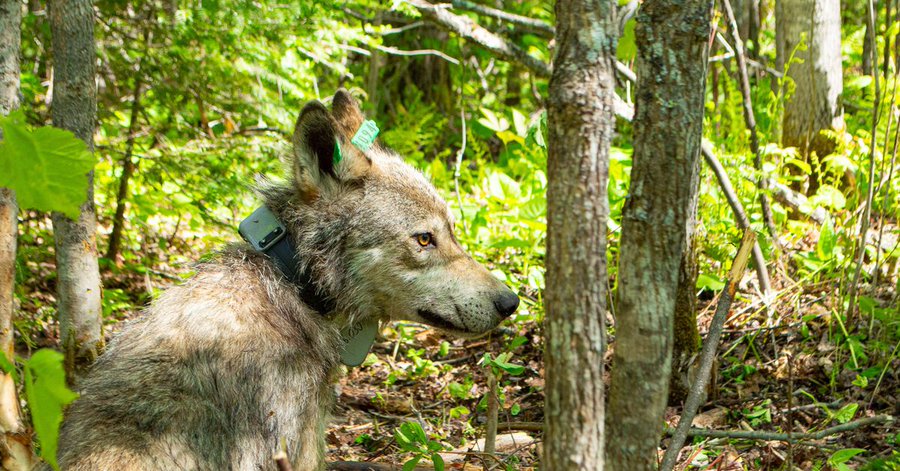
{"points": [[221, 371]]}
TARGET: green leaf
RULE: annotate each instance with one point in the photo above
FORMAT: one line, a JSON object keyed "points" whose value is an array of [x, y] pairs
{"points": [[712, 283], [8, 367], [47, 393], [858, 82], [47, 167], [515, 409], [437, 461], [411, 464], [827, 241], [829, 196], [627, 48], [843, 456], [846, 413]]}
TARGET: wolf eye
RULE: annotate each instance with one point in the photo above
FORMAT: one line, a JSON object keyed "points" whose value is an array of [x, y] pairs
{"points": [[424, 239]]}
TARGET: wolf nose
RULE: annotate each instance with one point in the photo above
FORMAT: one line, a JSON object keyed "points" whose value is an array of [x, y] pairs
{"points": [[507, 303]]}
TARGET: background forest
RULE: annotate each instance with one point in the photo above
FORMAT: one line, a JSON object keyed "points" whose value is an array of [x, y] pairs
{"points": [[196, 98]]}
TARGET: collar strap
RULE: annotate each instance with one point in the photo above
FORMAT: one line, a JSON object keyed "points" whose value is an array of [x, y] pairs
{"points": [[363, 139], [267, 235]]}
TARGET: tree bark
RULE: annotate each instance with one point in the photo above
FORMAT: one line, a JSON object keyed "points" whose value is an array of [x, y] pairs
{"points": [[15, 447], [580, 126], [74, 107], [813, 103], [658, 219]]}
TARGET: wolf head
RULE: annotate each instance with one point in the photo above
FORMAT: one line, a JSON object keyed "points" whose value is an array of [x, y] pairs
{"points": [[374, 233]]}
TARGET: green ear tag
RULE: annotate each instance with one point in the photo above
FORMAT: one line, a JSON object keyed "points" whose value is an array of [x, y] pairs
{"points": [[365, 136], [337, 151]]}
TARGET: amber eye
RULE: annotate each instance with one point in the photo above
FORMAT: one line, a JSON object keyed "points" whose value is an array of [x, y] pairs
{"points": [[424, 239]]}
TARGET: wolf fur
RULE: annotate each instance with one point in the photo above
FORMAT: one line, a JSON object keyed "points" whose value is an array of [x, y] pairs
{"points": [[221, 372]]}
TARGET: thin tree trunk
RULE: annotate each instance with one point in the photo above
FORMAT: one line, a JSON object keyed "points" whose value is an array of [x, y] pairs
{"points": [[886, 63], [673, 48], [74, 108], [814, 105], [580, 126], [15, 446], [128, 165]]}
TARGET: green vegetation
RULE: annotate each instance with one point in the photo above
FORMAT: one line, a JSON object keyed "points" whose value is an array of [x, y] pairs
{"points": [[200, 98]]}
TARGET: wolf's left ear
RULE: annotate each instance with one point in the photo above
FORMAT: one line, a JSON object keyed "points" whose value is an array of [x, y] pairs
{"points": [[324, 158], [346, 112]]}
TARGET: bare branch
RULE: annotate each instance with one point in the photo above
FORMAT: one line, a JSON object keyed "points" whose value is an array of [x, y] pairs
{"points": [[750, 120], [790, 437], [470, 30], [864, 221], [527, 24], [762, 273], [402, 52], [708, 354]]}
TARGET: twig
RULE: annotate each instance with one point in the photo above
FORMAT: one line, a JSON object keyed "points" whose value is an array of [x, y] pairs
{"points": [[887, 197], [527, 24], [708, 354], [524, 426], [762, 272], [750, 120], [467, 28], [490, 434], [887, 365], [281, 460], [459, 158], [864, 221], [364, 466], [401, 52], [787, 437]]}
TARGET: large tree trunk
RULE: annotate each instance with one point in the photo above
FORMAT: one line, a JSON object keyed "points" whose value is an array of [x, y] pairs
{"points": [[580, 125], [74, 108], [672, 42], [15, 449], [814, 103]]}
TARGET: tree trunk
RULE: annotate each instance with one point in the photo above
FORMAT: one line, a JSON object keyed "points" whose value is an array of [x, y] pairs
{"points": [[128, 165], [580, 127], [74, 108], [15, 447], [672, 42], [814, 103]]}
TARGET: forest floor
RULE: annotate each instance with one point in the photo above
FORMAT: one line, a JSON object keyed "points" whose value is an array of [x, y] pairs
{"points": [[416, 375]]}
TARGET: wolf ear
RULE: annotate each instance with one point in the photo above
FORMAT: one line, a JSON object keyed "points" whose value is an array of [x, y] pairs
{"points": [[346, 112], [318, 168]]}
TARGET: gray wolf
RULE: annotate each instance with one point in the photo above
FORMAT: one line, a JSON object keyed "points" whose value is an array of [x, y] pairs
{"points": [[221, 372]]}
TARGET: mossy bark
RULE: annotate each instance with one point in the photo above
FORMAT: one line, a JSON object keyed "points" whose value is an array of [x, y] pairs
{"points": [[580, 127], [74, 107], [658, 221]]}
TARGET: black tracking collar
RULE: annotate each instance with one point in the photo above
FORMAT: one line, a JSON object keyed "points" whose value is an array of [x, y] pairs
{"points": [[265, 233]]}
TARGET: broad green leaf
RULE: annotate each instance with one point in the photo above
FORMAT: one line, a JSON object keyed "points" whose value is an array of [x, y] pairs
{"points": [[520, 123], [712, 283], [827, 241], [47, 393], [437, 461], [627, 48], [858, 82], [845, 414], [47, 166], [411, 464], [829, 196], [843, 456]]}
